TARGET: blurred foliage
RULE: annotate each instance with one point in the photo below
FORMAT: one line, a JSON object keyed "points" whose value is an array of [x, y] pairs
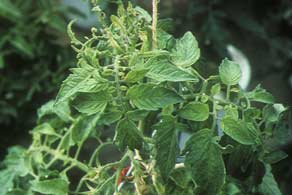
{"points": [[34, 55]]}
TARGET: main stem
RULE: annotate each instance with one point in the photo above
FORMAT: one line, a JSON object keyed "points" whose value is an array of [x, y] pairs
{"points": [[154, 23]]}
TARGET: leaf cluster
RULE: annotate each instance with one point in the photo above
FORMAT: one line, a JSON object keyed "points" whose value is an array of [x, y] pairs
{"points": [[148, 97]]}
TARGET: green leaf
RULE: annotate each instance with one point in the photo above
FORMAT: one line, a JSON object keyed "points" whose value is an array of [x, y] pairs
{"points": [[137, 115], [91, 103], [272, 113], [84, 126], [260, 95], [110, 117], [166, 145], [128, 135], [161, 69], [204, 159], [215, 89], [274, 157], [82, 80], [269, 185], [136, 75], [15, 160], [45, 129], [52, 186], [143, 13], [6, 180], [231, 111], [62, 110], [182, 177], [151, 97], [186, 51], [195, 111], [242, 132], [232, 189], [229, 72], [164, 39]]}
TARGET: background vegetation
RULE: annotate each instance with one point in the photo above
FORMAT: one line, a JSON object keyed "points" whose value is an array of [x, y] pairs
{"points": [[34, 59]]}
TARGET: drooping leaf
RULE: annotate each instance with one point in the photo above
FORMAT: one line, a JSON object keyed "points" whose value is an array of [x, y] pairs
{"points": [[186, 51], [161, 69], [204, 159], [91, 103], [195, 111], [242, 132], [84, 126], [181, 176], [81, 80], [52, 186], [151, 97], [166, 140], [272, 113], [274, 156], [260, 95], [269, 185], [128, 135], [181, 182], [110, 117], [44, 128], [62, 110], [229, 72]]}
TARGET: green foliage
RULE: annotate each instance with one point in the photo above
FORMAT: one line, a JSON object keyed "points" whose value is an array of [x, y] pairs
{"points": [[186, 51], [147, 95], [204, 159], [34, 54], [229, 72]]}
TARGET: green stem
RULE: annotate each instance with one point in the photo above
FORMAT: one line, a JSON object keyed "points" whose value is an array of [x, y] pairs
{"points": [[117, 81], [203, 89], [97, 150], [78, 151], [214, 117], [59, 156], [228, 92], [199, 75]]}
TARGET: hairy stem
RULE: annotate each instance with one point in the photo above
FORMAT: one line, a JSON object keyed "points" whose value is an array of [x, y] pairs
{"points": [[154, 23]]}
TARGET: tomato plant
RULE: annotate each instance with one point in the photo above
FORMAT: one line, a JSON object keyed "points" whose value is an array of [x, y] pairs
{"points": [[136, 89]]}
